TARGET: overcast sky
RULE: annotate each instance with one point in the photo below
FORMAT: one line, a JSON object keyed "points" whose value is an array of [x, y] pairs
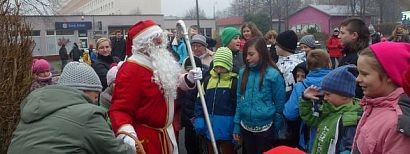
{"points": [[179, 7]]}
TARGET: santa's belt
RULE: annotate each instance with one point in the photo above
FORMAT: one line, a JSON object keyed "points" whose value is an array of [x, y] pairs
{"points": [[163, 138]]}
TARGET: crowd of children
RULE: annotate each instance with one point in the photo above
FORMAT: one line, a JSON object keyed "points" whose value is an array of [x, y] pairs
{"points": [[261, 93]]}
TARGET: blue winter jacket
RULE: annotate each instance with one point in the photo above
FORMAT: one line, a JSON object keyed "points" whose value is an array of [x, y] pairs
{"points": [[181, 50], [259, 107], [314, 77], [221, 105], [291, 110]]}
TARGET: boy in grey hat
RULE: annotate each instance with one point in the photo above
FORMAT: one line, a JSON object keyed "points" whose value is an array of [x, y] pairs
{"points": [[200, 50], [62, 118], [307, 43]]}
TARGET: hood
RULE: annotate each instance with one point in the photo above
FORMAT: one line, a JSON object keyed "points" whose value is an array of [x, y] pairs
{"points": [[315, 76], [350, 112], [45, 101], [302, 66], [349, 107]]}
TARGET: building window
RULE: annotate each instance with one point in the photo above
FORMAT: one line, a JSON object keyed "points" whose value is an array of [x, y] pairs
{"points": [[37, 42], [304, 27], [35, 33], [82, 33], [206, 31], [50, 32], [64, 32]]}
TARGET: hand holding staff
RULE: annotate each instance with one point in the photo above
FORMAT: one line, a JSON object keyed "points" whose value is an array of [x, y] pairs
{"points": [[181, 28]]}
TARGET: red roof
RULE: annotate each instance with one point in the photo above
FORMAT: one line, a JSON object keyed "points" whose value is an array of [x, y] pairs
{"points": [[238, 20]]}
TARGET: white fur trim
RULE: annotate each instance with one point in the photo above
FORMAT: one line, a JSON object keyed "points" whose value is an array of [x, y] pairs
{"points": [[170, 117], [148, 32], [142, 59], [171, 135]]}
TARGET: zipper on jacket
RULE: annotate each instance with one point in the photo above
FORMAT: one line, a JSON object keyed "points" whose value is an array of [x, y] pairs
{"points": [[252, 100], [213, 101]]}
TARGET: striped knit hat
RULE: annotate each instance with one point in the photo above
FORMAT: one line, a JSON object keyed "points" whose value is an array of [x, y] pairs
{"points": [[223, 57], [340, 81]]}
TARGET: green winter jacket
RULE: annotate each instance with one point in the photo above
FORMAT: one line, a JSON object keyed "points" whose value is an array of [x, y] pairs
{"points": [[329, 137], [57, 119]]}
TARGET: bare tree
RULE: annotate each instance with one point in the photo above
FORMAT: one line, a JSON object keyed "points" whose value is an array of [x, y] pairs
{"points": [[280, 9], [40, 7], [15, 63], [284, 8], [380, 4], [191, 13]]}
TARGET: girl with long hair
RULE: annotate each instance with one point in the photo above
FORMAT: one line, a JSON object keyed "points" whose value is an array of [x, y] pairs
{"points": [[260, 99]]}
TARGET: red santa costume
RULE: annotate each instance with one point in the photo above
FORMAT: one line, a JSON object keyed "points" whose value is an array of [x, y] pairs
{"points": [[146, 86]]}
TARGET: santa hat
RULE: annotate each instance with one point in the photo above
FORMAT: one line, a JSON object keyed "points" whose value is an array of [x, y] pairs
{"points": [[139, 32], [394, 57]]}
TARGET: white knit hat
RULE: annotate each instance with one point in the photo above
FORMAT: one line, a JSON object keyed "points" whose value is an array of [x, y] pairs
{"points": [[112, 73], [80, 76]]}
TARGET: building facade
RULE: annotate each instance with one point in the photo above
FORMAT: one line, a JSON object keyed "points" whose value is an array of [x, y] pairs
{"points": [[207, 26], [49, 32], [111, 7], [324, 18]]}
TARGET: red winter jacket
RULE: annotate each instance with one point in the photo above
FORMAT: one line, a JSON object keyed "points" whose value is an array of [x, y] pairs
{"points": [[334, 47]]}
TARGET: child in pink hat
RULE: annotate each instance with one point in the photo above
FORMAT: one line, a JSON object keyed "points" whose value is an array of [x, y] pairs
{"points": [[41, 72], [381, 68]]}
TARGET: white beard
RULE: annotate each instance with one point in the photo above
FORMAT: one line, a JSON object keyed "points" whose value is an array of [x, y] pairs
{"points": [[166, 71]]}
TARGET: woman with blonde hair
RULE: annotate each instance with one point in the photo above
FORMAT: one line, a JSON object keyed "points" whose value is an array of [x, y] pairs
{"points": [[104, 60]]}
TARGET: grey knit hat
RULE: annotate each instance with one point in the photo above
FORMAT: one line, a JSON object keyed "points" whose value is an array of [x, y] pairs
{"points": [[308, 40], [80, 76], [198, 38]]}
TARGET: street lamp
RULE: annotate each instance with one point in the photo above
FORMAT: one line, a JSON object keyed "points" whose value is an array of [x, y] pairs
{"points": [[214, 7], [197, 14]]}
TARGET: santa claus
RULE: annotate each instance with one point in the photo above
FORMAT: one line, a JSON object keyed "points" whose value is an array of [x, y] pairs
{"points": [[142, 107]]}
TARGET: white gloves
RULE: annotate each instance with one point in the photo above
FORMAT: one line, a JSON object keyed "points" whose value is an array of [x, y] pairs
{"points": [[128, 140], [194, 74]]}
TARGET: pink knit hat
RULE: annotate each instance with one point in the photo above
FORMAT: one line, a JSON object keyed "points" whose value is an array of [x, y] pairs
{"points": [[39, 66], [394, 57]]}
